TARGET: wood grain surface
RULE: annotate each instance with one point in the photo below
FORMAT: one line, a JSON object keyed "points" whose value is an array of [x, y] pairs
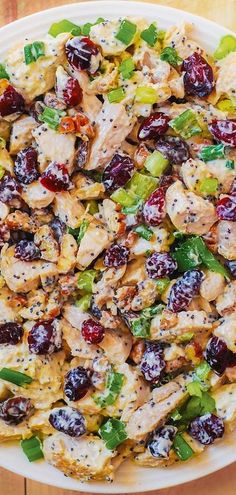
{"points": [[223, 482]]}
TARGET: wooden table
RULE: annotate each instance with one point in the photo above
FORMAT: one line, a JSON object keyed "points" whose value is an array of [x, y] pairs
{"points": [[224, 481]]}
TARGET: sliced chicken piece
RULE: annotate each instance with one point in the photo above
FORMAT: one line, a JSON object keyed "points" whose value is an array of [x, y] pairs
{"points": [[20, 220], [188, 212], [212, 286], [10, 305], [104, 35], [95, 240], [74, 315], [193, 172], [226, 331], [227, 239], [146, 459], [226, 301], [68, 209], [21, 133], [224, 174], [84, 458], [104, 289], [67, 258], [4, 211], [5, 129], [37, 196], [225, 398], [114, 219], [154, 412], [90, 104], [146, 295], [113, 125], [36, 304], [35, 79], [23, 276], [49, 142], [179, 37], [14, 432], [116, 345], [135, 272], [225, 83], [78, 346], [86, 188], [171, 326], [46, 242], [39, 422]]}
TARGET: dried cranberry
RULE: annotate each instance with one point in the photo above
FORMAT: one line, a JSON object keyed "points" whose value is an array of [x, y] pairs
{"points": [[154, 210], [226, 208], [11, 101], [183, 291], [160, 265], [117, 255], [55, 178], [206, 429], [152, 364], [83, 54], [68, 420], [118, 172], [161, 442], [44, 338], [218, 356], [58, 227], [154, 126], [10, 333], [167, 180], [77, 383], [13, 411], [82, 153], [25, 167], [10, 190], [72, 93], [175, 149], [92, 332], [27, 251], [224, 131], [198, 77], [231, 265]]}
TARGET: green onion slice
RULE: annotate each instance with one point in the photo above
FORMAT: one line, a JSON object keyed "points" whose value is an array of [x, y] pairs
{"points": [[32, 448], [152, 311], [33, 51], [146, 94], [171, 56], [226, 45], [162, 284], [64, 26], [15, 377], [116, 95], [126, 32], [51, 117], [126, 68], [212, 152], [150, 35], [230, 164], [3, 72], [87, 27], [140, 327], [182, 448], [113, 388], [113, 433], [144, 232]]}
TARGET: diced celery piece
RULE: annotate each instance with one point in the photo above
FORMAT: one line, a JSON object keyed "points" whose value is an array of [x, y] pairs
{"points": [[116, 95], [162, 284], [156, 163], [209, 186], [84, 302], [146, 94], [124, 198], [86, 280], [186, 124], [142, 185]]}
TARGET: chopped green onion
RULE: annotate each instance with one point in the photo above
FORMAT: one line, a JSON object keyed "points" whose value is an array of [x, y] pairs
{"points": [[186, 124], [91, 206], [3, 72], [146, 94], [194, 388], [142, 185], [213, 152], [131, 210], [197, 406], [28, 55], [116, 95], [33, 51], [51, 117], [113, 388], [226, 45], [156, 163], [226, 105], [87, 27], [182, 448], [207, 403], [209, 185], [83, 227], [122, 197], [113, 433], [202, 371], [162, 284], [64, 26], [86, 280], [32, 448], [186, 337], [84, 302], [230, 164], [171, 56], [144, 231], [126, 68], [140, 327], [126, 32], [2, 172], [152, 311], [175, 416], [15, 377], [150, 35]]}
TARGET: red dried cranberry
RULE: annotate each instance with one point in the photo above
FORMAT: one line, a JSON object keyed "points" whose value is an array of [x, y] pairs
{"points": [[77, 383], [154, 126], [206, 429], [161, 441], [27, 251], [198, 77], [10, 190], [224, 131], [83, 54], [218, 356], [92, 332], [152, 364], [117, 255], [10, 333], [160, 265], [44, 338], [68, 420], [183, 291], [58, 227], [174, 149], [55, 178], [13, 411], [82, 153], [118, 172], [72, 93], [11, 101], [231, 265], [25, 167], [226, 208], [154, 210], [167, 180]]}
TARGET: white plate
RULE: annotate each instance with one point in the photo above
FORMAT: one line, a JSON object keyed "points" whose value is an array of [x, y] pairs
{"points": [[129, 477]]}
